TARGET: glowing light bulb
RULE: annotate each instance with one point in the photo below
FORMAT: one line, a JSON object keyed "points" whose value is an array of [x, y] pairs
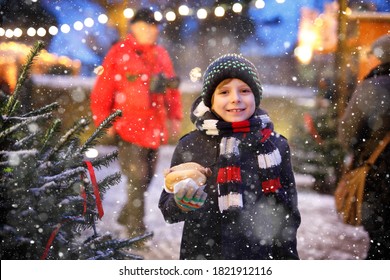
{"points": [[89, 22], [219, 11], [53, 30], [128, 13], [78, 25], [41, 32], [184, 10], [31, 32], [237, 8], [158, 16], [201, 13], [65, 28], [170, 16], [102, 18]]}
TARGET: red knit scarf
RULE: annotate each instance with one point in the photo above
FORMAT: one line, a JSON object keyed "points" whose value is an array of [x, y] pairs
{"points": [[253, 135]]}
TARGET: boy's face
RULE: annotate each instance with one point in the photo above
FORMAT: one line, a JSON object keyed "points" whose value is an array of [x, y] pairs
{"points": [[144, 33], [233, 100]]}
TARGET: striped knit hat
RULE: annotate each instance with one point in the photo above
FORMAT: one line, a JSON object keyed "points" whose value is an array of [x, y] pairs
{"points": [[230, 66]]}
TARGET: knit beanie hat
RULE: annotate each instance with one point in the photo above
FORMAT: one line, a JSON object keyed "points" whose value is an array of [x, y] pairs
{"points": [[227, 67], [146, 15], [381, 48]]}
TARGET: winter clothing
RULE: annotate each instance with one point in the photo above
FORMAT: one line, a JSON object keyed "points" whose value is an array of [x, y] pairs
{"points": [[230, 66], [128, 84], [124, 84], [257, 218], [381, 48], [139, 165], [365, 123], [145, 15], [255, 130]]}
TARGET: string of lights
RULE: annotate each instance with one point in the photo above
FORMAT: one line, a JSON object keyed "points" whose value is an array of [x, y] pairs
{"points": [[170, 15]]}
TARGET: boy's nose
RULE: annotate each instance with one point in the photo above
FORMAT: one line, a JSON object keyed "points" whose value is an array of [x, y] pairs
{"points": [[235, 96]]}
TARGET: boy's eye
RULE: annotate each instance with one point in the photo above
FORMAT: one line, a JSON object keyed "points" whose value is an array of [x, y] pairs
{"points": [[223, 92], [246, 90]]}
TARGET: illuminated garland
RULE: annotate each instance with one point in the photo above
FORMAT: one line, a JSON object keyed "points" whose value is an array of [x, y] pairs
{"points": [[169, 15]]}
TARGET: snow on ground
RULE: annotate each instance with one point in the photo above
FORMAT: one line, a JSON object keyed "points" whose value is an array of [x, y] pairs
{"points": [[321, 235]]}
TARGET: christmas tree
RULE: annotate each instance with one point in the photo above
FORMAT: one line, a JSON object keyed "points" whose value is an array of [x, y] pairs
{"points": [[317, 151], [49, 193]]}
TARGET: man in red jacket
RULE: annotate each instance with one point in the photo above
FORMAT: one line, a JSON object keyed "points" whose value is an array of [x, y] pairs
{"points": [[138, 78]]}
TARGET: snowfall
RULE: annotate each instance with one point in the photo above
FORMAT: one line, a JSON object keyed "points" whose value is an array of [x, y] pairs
{"points": [[321, 236]]}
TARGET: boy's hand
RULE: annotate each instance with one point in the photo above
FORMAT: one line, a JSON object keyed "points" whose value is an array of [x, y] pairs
{"points": [[188, 195], [177, 173]]}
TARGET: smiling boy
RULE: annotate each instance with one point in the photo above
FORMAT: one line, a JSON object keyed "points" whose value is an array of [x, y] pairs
{"points": [[248, 207]]}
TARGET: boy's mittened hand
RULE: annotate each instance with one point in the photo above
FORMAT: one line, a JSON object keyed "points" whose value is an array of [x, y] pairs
{"points": [[188, 195]]}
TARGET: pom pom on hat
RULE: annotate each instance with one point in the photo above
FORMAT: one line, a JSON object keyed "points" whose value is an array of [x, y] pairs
{"points": [[227, 67]]}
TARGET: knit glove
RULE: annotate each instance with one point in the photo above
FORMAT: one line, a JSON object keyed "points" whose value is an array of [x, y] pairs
{"points": [[188, 195]]}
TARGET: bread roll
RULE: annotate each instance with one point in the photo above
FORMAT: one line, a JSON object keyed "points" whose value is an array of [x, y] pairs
{"points": [[183, 171]]}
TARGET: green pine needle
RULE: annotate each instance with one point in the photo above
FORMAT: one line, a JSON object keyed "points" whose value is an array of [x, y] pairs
{"points": [[12, 101], [100, 131], [53, 129]]}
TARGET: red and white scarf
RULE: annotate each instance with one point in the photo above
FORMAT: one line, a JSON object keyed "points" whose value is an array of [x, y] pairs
{"points": [[253, 134]]}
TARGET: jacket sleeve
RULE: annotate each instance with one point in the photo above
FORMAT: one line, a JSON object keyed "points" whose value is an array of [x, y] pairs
{"points": [[172, 96], [288, 239], [102, 95], [351, 122], [363, 119], [167, 204]]}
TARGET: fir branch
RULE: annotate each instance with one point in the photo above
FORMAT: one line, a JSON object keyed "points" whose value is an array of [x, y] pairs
{"points": [[19, 153], [118, 244], [24, 142], [103, 255], [47, 186], [71, 151], [76, 219], [64, 176], [69, 200], [109, 181], [104, 247], [53, 129], [28, 212], [16, 127], [12, 102], [46, 109], [105, 161], [121, 255], [13, 157], [50, 186], [100, 131], [95, 239], [77, 127]]}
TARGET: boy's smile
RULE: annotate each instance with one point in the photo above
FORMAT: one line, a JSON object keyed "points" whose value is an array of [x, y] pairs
{"points": [[233, 100]]}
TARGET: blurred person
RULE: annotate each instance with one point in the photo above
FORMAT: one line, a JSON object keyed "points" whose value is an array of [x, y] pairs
{"points": [[246, 206], [138, 78], [364, 124]]}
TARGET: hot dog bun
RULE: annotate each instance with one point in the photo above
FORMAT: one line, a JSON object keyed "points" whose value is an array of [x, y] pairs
{"points": [[183, 171]]}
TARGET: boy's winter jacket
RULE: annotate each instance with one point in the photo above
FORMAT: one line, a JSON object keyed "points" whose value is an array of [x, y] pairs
{"points": [[265, 228]]}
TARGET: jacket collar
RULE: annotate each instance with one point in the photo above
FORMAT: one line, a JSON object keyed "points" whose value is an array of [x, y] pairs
{"points": [[381, 70]]}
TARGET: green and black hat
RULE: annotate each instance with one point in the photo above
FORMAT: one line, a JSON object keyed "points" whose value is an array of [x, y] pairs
{"points": [[227, 67]]}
